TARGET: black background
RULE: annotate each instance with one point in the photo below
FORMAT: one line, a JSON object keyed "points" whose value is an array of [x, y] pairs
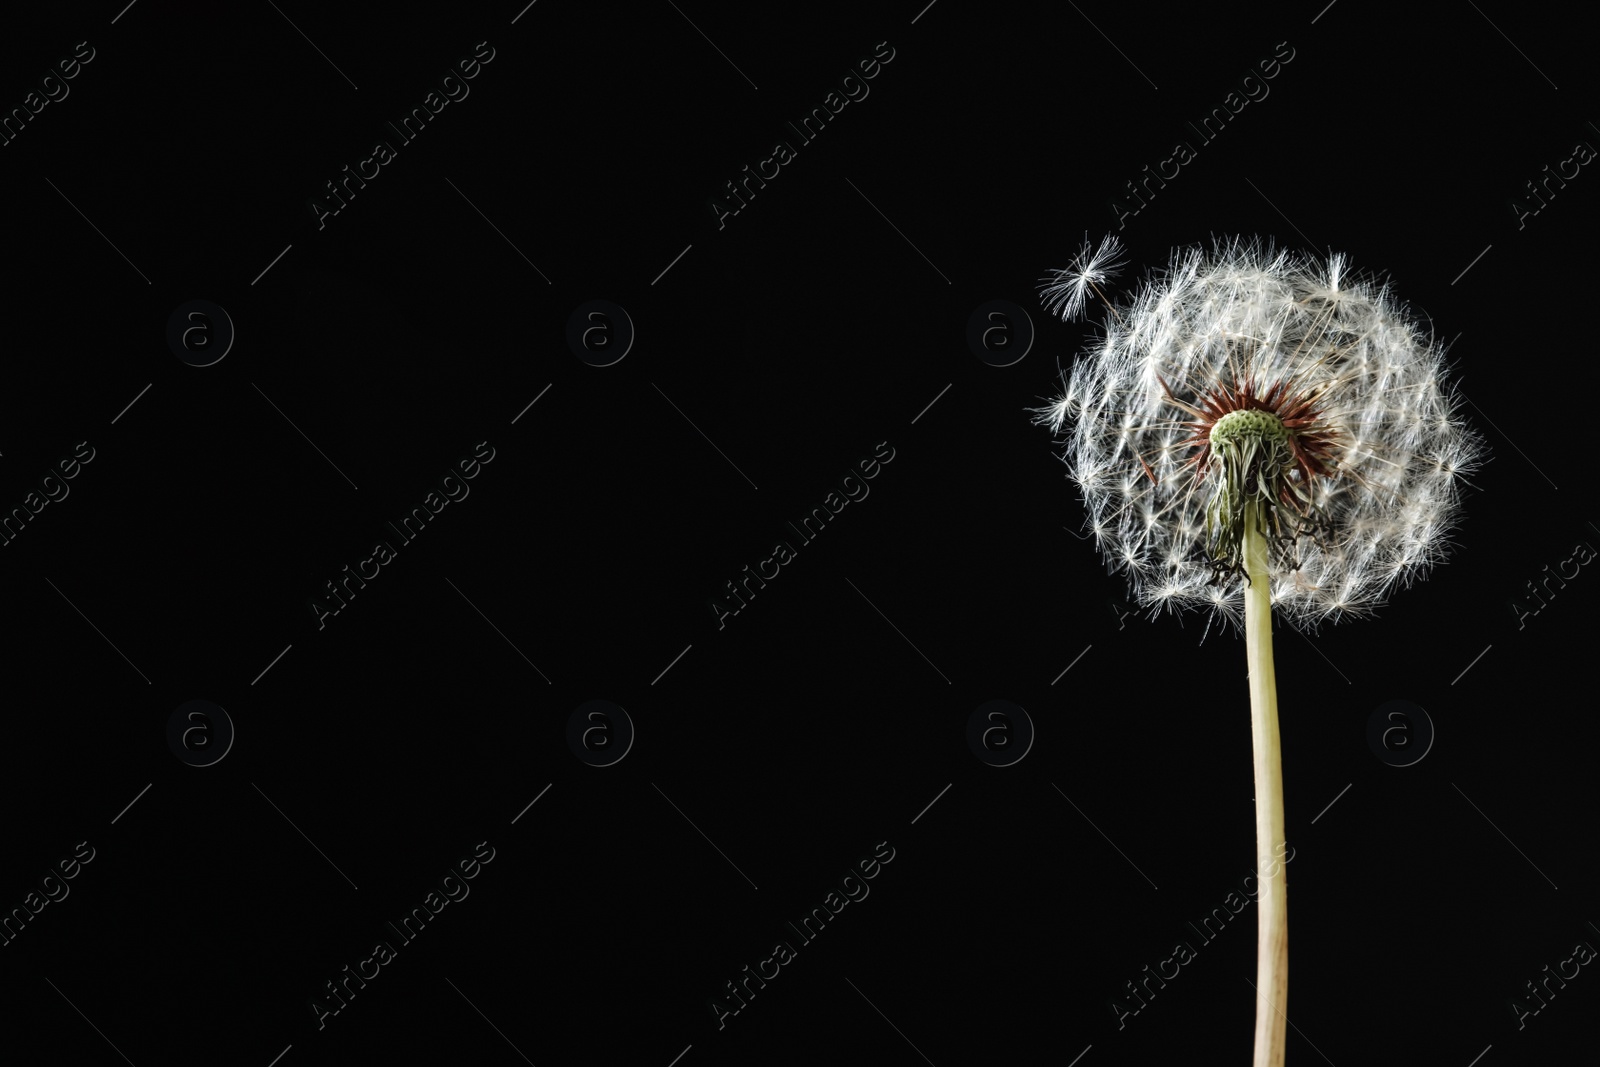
{"points": [[829, 714]]}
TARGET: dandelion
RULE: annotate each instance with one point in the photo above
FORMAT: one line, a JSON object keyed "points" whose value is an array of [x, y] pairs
{"points": [[1069, 288], [1256, 430]]}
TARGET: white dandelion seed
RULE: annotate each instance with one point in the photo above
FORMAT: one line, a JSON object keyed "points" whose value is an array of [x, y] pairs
{"points": [[1256, 430], [1069, 288]]}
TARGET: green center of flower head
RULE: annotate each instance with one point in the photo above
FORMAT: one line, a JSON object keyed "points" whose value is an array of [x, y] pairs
{"points": [[1233, 427], [1251, 461]]}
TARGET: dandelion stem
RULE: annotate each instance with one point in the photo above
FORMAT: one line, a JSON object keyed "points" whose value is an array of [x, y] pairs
{"points": [[1272, 951]]}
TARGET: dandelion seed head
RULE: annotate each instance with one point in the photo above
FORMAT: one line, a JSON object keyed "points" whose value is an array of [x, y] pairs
{"points": [[1313, 385]]}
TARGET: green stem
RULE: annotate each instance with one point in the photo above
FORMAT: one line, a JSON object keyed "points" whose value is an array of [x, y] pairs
{"points": [[1272, 955]]}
